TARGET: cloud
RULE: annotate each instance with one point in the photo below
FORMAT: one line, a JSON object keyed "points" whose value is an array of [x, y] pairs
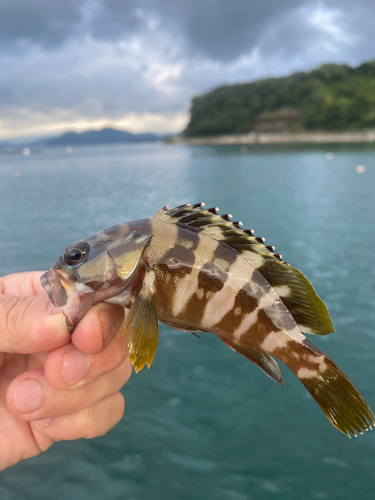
{"points": [[78, 62], [25, 23]]}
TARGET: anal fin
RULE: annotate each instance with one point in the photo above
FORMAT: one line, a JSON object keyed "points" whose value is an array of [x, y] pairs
{"points": [[142, 316], [257, 356], [182, 328]]}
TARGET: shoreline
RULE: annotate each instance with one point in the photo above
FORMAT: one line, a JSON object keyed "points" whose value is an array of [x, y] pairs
{"points": [[284, 138]]}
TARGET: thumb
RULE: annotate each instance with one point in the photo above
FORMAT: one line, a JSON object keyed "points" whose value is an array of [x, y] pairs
{"points": [[28, 325]]}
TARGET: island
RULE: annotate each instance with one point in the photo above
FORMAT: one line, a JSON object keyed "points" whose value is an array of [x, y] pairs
{"points": [[334, 103]]}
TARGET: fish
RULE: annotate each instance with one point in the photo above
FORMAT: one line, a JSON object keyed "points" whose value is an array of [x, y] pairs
{"points": [[197, 271]]}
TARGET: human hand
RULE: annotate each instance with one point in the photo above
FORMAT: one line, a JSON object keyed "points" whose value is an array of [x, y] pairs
{"points": [[56, 386]]}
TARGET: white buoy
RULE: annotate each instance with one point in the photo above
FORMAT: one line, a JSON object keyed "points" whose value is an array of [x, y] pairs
{"points": [[329, 156], [361, 169], [68, 149], [26, 151]]}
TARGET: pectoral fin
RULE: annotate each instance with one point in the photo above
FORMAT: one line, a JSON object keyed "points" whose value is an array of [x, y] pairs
{"points": [[142, 316], [257, 356]]}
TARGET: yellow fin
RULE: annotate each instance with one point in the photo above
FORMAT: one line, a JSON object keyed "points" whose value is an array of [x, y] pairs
{"points": [[340, 401], [142, 315]]}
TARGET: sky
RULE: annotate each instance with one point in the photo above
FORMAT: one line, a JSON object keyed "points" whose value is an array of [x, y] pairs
{"points": [[137, 64]]}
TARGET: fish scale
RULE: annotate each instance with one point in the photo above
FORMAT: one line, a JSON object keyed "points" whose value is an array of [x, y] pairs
{"points": [[197, 271]]}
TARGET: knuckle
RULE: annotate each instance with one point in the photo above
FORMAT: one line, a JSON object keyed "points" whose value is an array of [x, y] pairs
{"points": [[123, 374], [98, 419], [121, 350], [128, 369], [112, 381], [14, 313], [119, 408], [88, 418], [9, 304], [116, 405]]}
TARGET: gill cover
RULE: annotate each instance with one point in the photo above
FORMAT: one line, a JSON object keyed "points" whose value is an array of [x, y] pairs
{"points": [[123, 257]]}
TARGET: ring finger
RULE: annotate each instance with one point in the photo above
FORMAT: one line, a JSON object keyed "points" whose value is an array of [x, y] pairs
{"points": [[93, 421]]}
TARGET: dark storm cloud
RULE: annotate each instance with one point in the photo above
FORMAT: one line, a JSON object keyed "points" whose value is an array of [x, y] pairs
{"points": [[39, 22], [219, 29], [216, 29]]}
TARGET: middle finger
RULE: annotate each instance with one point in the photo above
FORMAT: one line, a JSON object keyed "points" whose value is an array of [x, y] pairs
{"points": [[31, 397], [67, 367]]}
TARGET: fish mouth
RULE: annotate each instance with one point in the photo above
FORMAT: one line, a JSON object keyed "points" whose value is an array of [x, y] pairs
{"points": [[52, 285], [75, 298]]}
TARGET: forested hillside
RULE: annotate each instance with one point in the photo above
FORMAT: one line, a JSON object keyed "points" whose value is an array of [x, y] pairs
{"points": [[333, 97]]}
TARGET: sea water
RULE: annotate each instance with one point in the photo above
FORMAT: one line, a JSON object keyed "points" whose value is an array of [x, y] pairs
{"points": [[206, 423]]}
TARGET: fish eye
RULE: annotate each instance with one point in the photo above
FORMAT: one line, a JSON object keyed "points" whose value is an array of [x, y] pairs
{"points": [[76, 254]]}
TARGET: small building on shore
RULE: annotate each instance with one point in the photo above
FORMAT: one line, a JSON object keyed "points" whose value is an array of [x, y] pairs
{"points": [[285, 119]]}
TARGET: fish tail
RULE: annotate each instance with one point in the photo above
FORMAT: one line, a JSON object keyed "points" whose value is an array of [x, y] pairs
{"points": [[340, 401]]}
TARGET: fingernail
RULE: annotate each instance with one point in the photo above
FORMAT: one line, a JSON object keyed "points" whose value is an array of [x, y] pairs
{"points": [[75, 366], [28, 396], [109, 330], [44, 422]]}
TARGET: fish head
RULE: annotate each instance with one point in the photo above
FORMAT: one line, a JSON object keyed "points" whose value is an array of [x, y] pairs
{"points": [[93, 270]]}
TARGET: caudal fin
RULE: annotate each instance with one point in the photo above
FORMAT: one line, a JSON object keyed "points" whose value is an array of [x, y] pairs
{"points": [[343, 405]]}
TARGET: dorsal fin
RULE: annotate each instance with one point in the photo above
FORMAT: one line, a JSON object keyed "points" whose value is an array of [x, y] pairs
{"points": [[293, 288]]}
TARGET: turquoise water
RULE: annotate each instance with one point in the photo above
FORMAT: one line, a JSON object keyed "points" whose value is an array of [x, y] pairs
{"points": [[205, 423]]}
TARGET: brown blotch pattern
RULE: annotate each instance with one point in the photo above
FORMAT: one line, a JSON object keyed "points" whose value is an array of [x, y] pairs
{"points": [[262, 327], [178, 251], [166, 283], [231, 321], [225, 254], [298, 355], [194, 309], [170, 277]]}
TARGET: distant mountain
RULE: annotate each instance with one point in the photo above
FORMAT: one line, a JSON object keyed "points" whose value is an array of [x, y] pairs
{"points": [[104, 136]]}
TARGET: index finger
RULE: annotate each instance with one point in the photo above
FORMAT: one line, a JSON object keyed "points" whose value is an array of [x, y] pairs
{"points": [[27, 325], [22, 284], [31, 324]]}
